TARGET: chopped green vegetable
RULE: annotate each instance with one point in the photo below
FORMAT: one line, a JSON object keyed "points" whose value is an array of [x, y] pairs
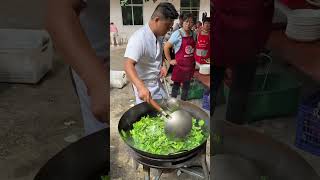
{"points": [[124, 134], [201, 123], [148, 135]]}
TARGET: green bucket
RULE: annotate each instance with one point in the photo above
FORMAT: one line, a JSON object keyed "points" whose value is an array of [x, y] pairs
{"points": [[272, 95]]}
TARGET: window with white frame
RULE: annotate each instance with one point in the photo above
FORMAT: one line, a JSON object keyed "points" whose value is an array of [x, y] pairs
{"points": [[190, 6], [132, 13]]}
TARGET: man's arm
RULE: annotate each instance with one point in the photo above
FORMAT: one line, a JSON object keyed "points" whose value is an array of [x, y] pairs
{"points": [[63, 24], [132, 74]]}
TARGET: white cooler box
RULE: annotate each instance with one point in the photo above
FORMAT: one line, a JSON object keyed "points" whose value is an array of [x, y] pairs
{"points": [[25, 55]]}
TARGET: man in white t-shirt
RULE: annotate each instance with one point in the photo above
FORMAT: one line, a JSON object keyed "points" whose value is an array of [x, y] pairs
{"points": [[144, 61]]}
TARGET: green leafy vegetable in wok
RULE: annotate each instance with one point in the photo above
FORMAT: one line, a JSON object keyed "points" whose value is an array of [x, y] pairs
{"points": [[149, 136]]}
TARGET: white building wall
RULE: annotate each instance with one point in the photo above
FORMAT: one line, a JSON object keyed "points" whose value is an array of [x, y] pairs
{"points": [[116, 17], [148, 8], [204, 7]]}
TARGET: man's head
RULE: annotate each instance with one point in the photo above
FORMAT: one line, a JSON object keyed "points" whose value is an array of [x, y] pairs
{"points": [[163, 17], [206, 24], [187, 21]]}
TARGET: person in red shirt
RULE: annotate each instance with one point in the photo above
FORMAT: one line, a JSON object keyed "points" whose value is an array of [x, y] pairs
{"points": [[241, 29], [202, 53]]}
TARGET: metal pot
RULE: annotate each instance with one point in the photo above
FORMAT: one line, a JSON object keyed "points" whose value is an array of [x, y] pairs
{"points": [[86, 159], [135, 113]]}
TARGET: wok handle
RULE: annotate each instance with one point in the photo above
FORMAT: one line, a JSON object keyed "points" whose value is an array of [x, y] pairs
{"points": [[155, 105]]}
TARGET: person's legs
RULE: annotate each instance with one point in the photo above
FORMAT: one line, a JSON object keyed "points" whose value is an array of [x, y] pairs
{"points": [[242, 79], [185, 90], [112, 38], [111, 43], [175, 89], [91, 124], [116, 39], [217, 75]]}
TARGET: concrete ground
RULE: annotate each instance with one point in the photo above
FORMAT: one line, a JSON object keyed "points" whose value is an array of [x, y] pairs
{"points": [[34, 122]]}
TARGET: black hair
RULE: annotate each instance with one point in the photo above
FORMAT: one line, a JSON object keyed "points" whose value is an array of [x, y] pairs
{"points": [[181, 16], [187, 16], [165, 10], [199, 22], [206, 19]]}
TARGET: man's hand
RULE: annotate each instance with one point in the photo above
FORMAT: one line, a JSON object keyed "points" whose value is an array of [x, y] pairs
{"points": [[163, 72], [173, 62], [99, 102], [144, 94], [99, 96]]}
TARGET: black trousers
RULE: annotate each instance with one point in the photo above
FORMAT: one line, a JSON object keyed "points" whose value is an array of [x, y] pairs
{"points": [[242, 80], [185, 90]]}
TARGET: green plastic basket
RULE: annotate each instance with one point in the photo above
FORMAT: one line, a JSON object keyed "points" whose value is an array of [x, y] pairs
{"points": [[273, 95]]}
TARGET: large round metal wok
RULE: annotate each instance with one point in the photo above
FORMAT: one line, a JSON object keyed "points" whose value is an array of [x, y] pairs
{"points": [[273, 158], [135, 113], [86, 159]]}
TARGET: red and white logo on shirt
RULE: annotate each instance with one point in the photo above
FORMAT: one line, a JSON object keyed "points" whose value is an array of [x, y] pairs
{"points": [[189, 49]]}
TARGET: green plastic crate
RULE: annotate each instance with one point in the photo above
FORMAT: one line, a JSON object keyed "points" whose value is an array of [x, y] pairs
{"points": [[280, 97]]}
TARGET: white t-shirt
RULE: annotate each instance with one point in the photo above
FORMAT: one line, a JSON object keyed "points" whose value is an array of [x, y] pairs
{"points": [[144, 48]]}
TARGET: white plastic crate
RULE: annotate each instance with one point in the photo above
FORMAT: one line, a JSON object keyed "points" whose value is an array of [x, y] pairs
{"points": [[25, 55]]}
